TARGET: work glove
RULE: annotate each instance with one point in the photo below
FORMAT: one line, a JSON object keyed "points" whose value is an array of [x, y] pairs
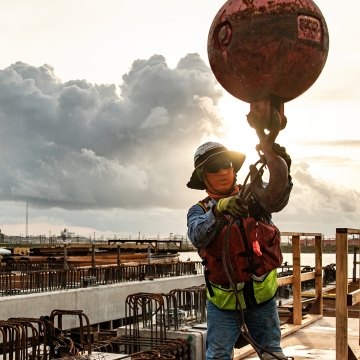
{"points": [[281, 151], [233, 205]]}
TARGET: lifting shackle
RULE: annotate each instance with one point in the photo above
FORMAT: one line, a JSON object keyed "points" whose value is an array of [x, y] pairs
{"points": [[267, 52]]}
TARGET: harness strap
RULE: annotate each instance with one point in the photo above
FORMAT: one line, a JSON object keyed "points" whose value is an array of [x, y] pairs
{"points": [[208, 284]]}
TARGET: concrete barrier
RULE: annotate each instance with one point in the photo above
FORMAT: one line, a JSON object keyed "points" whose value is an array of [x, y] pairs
{"points": [[99, 303]]}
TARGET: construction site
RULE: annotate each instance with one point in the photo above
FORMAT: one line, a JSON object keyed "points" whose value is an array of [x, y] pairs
{"points": [[149, 311]]}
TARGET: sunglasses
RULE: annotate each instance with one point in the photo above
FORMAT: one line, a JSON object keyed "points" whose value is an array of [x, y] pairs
{"points": [[215, 166]]}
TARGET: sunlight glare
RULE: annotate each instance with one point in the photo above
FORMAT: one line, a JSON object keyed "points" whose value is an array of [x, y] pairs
{"points": [[239, 136]]}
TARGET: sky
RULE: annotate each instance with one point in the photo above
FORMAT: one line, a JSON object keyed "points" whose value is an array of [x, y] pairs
{"points": [[103, 104]]}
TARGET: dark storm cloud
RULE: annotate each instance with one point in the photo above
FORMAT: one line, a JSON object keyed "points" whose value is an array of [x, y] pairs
{"points": [[80, 145]]}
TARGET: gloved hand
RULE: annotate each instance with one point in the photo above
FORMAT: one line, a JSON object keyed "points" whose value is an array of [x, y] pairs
{"points": [[281, 151], [233, 205]]}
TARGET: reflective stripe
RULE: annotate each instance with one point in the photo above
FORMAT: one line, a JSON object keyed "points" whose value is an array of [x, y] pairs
{"points": [[259, 278], [266, 289], [263, 291]]}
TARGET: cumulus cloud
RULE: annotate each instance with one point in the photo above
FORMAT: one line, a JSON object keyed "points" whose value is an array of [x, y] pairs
{"points": [[81, 146]]}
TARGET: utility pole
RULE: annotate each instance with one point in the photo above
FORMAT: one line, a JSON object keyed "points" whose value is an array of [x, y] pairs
{"points": [[27, 221]]}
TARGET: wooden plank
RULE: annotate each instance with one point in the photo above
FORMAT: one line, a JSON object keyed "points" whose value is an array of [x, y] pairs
{"points": [[347, 231], [297, 313], [311, 294], [285, 280], [318, 306], [353, 298], [288, 280], [308, 275], [291, 305], [341, 294], [287, 233]]}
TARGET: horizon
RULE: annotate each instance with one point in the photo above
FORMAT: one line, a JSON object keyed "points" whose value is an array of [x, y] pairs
{"points": [[103, 105]]}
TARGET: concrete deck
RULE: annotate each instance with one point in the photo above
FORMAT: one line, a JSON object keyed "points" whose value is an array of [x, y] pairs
{"points": [[318, 340]]}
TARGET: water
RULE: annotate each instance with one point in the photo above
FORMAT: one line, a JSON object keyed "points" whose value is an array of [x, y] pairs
{"points": [[305, 259]]}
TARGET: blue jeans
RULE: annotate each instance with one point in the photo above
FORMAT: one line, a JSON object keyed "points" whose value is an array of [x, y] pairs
{"points": [[223, 329]]}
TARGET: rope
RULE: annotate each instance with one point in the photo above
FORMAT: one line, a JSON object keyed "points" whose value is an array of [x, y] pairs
{"points": [[245, 193], [229, 270]]}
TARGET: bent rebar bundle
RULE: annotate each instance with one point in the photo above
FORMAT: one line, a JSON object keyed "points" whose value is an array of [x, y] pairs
{"points": [[149, 317], [24, 338]]}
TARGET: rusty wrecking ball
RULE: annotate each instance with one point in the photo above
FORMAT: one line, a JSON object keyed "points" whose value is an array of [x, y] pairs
{"points": [[267, 53]]}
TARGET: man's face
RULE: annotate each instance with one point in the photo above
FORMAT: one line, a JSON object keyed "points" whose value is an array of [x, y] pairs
{"points": [[217, 164], [219, 174]]}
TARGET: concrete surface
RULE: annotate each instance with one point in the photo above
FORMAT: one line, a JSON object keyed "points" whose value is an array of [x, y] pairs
{"points": [[318, 340]]}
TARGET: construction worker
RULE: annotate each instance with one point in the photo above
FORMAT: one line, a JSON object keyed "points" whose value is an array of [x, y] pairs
{"points": [[242, 303]]}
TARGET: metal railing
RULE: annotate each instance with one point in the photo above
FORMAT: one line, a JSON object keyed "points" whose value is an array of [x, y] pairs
{"points": [[19, 282]]}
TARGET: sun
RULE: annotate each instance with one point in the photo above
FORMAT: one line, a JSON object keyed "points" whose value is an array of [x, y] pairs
{"points": [[238, 135]]}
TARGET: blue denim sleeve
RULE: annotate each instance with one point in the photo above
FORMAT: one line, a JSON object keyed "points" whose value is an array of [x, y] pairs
{"points": [[200, 225]]}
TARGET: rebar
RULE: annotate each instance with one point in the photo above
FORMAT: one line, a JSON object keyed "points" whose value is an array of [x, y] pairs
{"points": [[15, 282]]}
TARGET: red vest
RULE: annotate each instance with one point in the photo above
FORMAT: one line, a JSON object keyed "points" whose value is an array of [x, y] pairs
{"points": [[251, 247]]}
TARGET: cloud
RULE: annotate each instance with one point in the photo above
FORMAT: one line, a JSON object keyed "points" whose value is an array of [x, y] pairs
{"points": [[158, 116], [77, 145], [343, 143], [318, 206], [90, 155]]}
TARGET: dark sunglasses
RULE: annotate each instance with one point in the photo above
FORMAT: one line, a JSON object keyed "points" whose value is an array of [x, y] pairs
{"points": [[215, 166]]}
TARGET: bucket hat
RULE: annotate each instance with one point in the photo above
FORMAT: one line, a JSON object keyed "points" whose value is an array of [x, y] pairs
{"points": [[205, 153]]}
